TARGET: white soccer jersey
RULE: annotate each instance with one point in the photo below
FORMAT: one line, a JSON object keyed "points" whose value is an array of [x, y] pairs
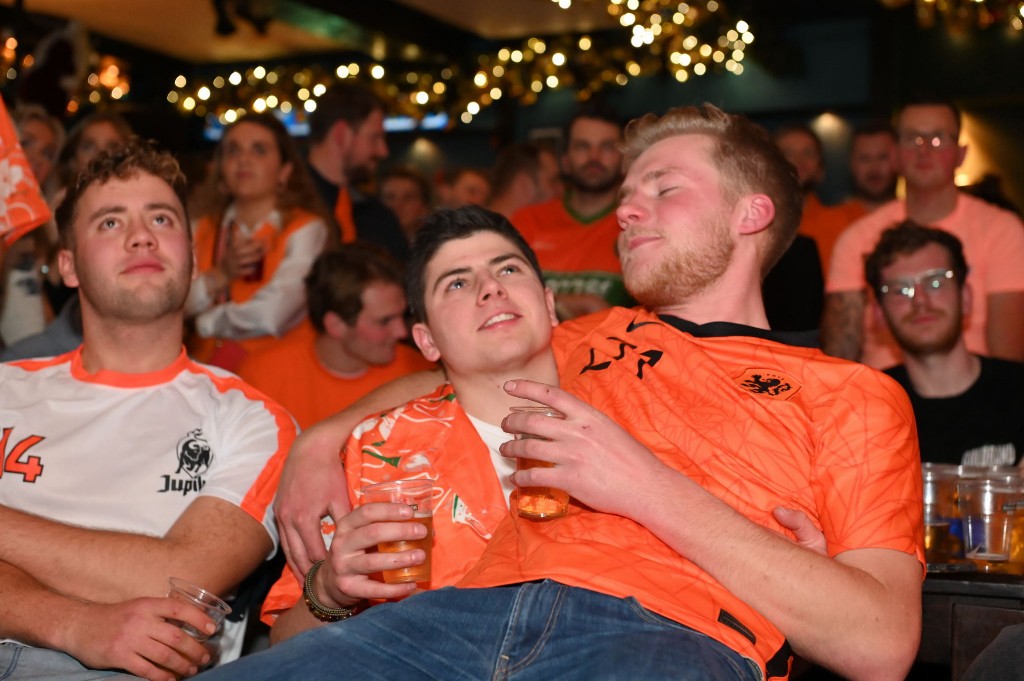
{"points": [[130, 452]]}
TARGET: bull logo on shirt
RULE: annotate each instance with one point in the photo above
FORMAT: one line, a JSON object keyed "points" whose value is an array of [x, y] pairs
{"points": [[194, 458], [767, 383], [194, 454]]}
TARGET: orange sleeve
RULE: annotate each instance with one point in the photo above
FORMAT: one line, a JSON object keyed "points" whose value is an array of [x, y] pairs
{"points": [[285, 593]]}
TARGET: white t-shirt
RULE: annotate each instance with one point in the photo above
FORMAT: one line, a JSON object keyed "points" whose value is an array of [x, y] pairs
{"points": [[493, 436], [130, 452]]}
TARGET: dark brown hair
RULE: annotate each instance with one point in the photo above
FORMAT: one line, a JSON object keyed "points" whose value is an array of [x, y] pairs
{"points": [[297, 193], [909, 237], [131, 160], [337, 278]]}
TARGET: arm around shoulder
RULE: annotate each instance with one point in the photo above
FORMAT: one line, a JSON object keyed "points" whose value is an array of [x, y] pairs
{"points": [[313, 483]]}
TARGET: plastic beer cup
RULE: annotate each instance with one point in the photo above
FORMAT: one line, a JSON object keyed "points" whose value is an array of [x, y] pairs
{"points": [[419, 494], [539, 503], [215, 608]]}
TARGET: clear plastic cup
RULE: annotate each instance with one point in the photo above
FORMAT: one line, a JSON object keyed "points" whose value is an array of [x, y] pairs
{"points": [[420, 495], [539, 503]]}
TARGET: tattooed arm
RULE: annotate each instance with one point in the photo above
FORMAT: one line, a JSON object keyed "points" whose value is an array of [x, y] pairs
{"points": [[842, 326]]}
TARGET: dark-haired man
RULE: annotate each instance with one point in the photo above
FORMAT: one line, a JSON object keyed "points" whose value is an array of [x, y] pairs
{"points": [[968, 407], [125, 463], [523, 174], [406, 192], [928, 155], [356, 310], [346, 142], [480, 308], [803, 148], [873, 165], [672, 562], [574, 234]]}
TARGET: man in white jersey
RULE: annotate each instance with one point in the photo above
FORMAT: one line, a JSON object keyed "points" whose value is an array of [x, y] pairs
{"points": [[124, 462], [482, 309]]}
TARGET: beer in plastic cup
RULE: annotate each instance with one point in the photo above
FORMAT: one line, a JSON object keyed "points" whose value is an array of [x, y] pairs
{"points": [[420, 495], [539, 503], [993, 521]]}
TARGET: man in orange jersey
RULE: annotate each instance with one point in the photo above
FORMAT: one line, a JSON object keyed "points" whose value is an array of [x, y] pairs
{"points": [[574, 234], [672, 562], [356, 310], [482, 309], [873, 165], [803, 148], [124, 462]]}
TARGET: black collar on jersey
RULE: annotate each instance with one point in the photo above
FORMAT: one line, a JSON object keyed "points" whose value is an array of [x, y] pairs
{"points": [[800, 339]]}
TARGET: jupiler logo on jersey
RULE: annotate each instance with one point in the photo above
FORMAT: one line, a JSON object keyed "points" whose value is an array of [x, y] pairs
{"points": [[194, 458]]}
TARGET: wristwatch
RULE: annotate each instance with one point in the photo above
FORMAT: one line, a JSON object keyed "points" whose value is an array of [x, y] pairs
{"points": [[319, 610]]}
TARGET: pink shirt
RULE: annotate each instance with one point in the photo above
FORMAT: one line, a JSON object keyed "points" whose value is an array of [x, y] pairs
{"points": [[993, 241]]}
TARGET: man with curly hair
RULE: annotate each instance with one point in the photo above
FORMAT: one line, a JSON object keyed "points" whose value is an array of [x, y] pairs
{"points": [[125, 463]]}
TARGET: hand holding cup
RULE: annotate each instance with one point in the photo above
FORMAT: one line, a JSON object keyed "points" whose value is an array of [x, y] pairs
{"points": [[210, 604], [419, 495], [539, 503]]}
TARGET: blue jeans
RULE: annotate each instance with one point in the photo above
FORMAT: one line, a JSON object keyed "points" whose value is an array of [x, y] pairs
{"points": [[535, 631], [18, 662]]}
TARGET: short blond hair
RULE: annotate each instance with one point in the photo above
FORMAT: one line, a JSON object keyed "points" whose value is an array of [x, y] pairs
{"points": [[747, 159]]}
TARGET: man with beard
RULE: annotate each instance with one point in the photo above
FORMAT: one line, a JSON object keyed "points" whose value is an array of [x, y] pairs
{"points": [[125, 463], [803, 148], [873, 165], [928, 155], [346, 142], [574, 234], [967, 407], [672, 562]]}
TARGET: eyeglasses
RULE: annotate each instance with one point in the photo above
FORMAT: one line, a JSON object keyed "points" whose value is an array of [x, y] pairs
{"points": [[930, 282], [929, 140]]}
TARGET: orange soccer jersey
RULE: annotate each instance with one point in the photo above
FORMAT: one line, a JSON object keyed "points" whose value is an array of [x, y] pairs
{"points": [[290, 373], [824, 223], [431, 438], [757, 423], [576, 257]]}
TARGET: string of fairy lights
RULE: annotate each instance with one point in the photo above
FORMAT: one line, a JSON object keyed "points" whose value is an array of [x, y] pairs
{"points": [[680, 38], [683, 40]]}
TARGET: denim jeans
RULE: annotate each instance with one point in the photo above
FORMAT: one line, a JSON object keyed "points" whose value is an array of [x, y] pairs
{"points": [[535, 631], [24, 663]]}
